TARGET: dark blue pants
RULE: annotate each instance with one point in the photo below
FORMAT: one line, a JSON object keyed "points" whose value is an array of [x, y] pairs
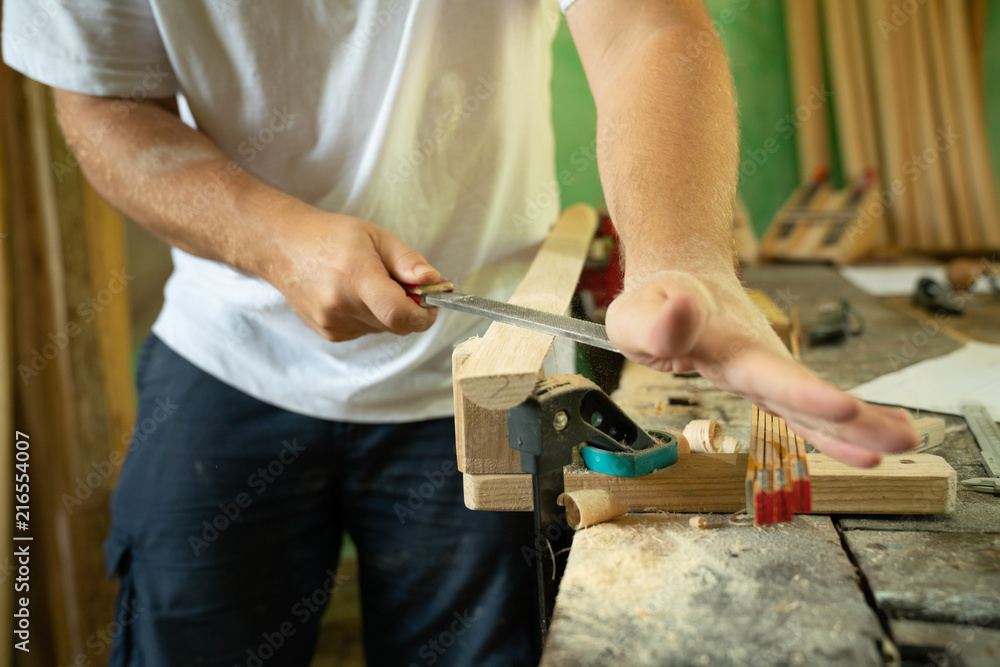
{"points": [[227, 524]]}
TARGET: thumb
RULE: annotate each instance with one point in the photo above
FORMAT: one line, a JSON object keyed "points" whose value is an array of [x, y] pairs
{"points": [[403, 262], [660, 320]]}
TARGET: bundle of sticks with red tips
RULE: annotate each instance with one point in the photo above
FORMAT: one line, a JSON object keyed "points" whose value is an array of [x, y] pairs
{"points": [[777, 483]]}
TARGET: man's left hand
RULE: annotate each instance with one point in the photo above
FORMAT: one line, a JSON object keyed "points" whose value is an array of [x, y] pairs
{"points": [[678, 321]]}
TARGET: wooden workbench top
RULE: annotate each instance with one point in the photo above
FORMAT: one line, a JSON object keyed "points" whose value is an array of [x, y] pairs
{"points": [[652, 590]]}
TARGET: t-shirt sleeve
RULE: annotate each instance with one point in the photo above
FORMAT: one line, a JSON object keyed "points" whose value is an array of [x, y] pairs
{"points": [[565, 4], [109, 48]]}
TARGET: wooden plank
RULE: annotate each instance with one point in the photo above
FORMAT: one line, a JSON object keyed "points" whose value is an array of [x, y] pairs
{"points": [[931, 176], [942, 577], [919, 225], [973, 139], [861, 76], [805, 57], [893, 115], [845, 94], [955, 169], [480, 433], [649, 590], [974, 513], [901, 484], [503, 371]]}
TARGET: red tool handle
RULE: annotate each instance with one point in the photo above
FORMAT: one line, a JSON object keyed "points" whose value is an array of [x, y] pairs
{"points": [[418, 292]]}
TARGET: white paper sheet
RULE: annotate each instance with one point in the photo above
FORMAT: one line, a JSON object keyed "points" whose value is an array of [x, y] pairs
{"points": [[899, 280], [970, 373]]}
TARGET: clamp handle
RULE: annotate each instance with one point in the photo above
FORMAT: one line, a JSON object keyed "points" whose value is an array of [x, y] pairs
{"points": [[418, 292]]}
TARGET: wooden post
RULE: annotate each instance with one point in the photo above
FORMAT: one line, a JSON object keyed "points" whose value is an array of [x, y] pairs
{"points": [[73, 391]]}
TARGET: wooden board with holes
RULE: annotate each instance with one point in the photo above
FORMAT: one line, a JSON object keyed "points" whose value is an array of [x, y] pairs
{"points": [[904, 484]]}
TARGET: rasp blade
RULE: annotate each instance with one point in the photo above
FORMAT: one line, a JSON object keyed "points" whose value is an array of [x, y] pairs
{"points": [[580, 331]]}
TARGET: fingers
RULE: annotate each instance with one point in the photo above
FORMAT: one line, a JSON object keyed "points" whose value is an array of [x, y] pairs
{"points": [[789, 387], [391, 308], [387, 301], [403, 262], [678, 328]]}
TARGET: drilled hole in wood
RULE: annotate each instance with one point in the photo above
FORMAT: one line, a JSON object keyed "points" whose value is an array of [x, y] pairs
{"points": [[682, 400]]}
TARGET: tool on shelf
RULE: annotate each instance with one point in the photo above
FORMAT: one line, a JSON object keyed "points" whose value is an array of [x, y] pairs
{"points": [[835, 322], [987, 434], [563, 412], [443, 294], [818, 224]]}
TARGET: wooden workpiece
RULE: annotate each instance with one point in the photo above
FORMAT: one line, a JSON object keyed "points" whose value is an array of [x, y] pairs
{"points": [[906, 484], [502, 372]]}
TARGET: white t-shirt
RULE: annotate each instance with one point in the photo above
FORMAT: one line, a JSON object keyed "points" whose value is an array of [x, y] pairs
{"points": [[430, 118]]}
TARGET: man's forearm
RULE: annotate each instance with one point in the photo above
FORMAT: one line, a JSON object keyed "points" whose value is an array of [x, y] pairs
{"points": [[668, 144], [174, 180], [336, 271]]}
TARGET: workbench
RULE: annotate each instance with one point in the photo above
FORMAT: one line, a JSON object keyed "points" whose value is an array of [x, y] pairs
{"points": [[650, 589]]}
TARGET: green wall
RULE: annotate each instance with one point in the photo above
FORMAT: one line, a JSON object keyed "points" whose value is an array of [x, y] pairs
{"points": [[754, 37]]}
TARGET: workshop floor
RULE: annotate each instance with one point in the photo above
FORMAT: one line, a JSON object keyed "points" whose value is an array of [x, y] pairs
{"points": [[340, 632]]}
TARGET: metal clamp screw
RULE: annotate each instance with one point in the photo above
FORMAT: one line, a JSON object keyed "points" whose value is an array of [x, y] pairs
{"points": [[561, 420]]}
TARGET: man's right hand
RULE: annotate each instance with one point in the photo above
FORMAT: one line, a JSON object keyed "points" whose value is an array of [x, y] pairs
{"points": [[336, 271], [342, 276]]}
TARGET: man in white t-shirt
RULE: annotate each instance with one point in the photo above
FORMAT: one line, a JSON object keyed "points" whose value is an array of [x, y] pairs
{"points": [[303, 157]]}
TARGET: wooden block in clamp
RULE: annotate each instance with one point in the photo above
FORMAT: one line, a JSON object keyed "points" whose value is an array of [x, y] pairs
{"points": [[502, 372], [480, 433]]}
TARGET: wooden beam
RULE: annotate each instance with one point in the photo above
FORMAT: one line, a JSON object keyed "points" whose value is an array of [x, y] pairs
{"points": [[946, 95], [805, 57], [893, 116], [902, 484], [480, 433], [503, 371], [971, 128]]}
